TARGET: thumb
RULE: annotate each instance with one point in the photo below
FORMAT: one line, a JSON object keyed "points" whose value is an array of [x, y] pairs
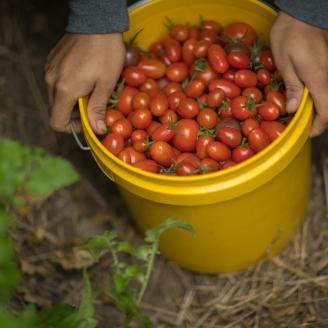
{"points": [[97, 107], [294, 91]]}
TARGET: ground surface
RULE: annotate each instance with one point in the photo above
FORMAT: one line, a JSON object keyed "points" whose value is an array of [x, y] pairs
{"points": [[291, 290]]}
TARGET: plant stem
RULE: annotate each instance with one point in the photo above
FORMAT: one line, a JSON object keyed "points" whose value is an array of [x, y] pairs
{"points": [[149, 270]]}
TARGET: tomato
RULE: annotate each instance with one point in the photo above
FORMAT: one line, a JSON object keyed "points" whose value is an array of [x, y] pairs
{"points": [[152, 127], [134, 155], [230, 89], [159, 104], [238, 59], [163, 133], [263, 76], [241, 153], [201, 48], [138, 135], [124, 104], [229, 136], [114, 143], [218, 151], [194, 32], [187, 157], [170, 117], [258, 139], [153, 68], [186, 135], [141, 118], [150, 87], [227, 122], [122, 127], [266, 59], [134, 76], [195, 88], [175, 98], [125, 156], [141, 145], [215, 98], [240, 31], [147, 165], [162, 82], [249, 125], [188, 47], [172, 87], [269, 111], [208, 35], [177, 72], [209, 165], [243, 108], [253, 93], [211, 25], [179, 32], [279, 99], [186, 168], [188, 108], [207, 118], [272, 128], [162, 153], [132, 55], [228, 164], [229, 75], [245, 78], [156, 47], [206, 74], [217, 58], [165, 59], [140, 100], [112, 115], [201, 145], [225, 110], [172, 49]]}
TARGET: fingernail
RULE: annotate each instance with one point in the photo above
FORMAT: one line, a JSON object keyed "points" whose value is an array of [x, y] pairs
{"points": [[101, 126], [292, 105]]}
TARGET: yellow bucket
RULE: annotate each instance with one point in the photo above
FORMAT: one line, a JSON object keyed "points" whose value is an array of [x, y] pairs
{"points": [[240, 215]]}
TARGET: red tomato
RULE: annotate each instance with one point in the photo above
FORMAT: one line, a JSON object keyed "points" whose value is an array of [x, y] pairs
{"points": [[187, 157], [241, 31], [138, 135], [162, 82], [122, 127], [186, 169], [269, 111], [175, 98], [156, 47], [212, 26], [229, 136], [228, 164], [150, 87], [135, 156], [243, 108], [253, 93], [140, 100], [229, 75], [209, 165], [179, 32], [194, 32], [225, 110], [186, 135], [152, 127], [208, 35], [195, 88], [163, 133], [249, 125], [266, 59], [241, 153], [201, 48], [162, 153], [172, 87], [264, 76], [134, 76], [141, 118], [159, 104], [217, 58], [125, 156], [124, 104], [188, 51], [147, 165], [238, 59], [112, 115], [272, 128], [153, 68], [245, 78], [114, 143], [279, 99], [205, 74], [218, 151], [207, 118], [258, 139], [188, 108], [177, 72], [201, 145], [215, 98], [141, 145], [230, 89], [172, 49], [170, 117]]}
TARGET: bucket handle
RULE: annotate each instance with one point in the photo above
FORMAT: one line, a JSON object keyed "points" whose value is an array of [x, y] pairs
{"points": [[78, 141]]}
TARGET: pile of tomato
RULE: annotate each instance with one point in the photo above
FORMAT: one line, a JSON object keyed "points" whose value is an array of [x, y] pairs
{"points": [[201, 99]]}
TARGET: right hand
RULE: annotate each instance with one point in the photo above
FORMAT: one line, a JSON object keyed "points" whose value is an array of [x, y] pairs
{"points": [[80, 65]]}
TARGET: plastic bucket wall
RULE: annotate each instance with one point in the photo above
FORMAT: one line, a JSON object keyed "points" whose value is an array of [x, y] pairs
{"points": [[241, 215]]}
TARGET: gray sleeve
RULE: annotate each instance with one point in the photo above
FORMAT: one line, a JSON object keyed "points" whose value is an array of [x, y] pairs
{"points": [[97, 16], [314, 12]]}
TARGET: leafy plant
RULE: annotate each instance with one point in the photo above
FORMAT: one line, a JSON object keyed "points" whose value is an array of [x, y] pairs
{"points": [[126, 297]]}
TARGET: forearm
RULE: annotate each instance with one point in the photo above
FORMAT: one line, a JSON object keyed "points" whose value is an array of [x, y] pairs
{"points": [[314, 12], [97, 16]]}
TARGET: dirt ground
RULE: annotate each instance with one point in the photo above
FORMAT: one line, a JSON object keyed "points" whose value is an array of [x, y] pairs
{"points": [[290, 290]]}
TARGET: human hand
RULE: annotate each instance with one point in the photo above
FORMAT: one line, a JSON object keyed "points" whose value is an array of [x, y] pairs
{"points": [[301, 55], [80, 65]]}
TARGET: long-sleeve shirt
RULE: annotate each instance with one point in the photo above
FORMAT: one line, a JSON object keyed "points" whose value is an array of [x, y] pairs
{"points": [[109, 16]]}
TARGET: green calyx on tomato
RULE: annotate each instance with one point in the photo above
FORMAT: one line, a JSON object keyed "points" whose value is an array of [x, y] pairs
{"points": [[115, 97], [206, 132]]}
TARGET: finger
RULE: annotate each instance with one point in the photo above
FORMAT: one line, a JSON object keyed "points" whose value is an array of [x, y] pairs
{"points": [[64, 102], [319, 125], [97, 106]]}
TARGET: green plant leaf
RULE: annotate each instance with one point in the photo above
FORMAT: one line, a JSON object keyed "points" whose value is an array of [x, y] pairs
{"points": [[142, 252], [97, 244]]}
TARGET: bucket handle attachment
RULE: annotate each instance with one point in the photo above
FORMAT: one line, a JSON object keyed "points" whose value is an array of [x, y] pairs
{"points": [[78, 141]]}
